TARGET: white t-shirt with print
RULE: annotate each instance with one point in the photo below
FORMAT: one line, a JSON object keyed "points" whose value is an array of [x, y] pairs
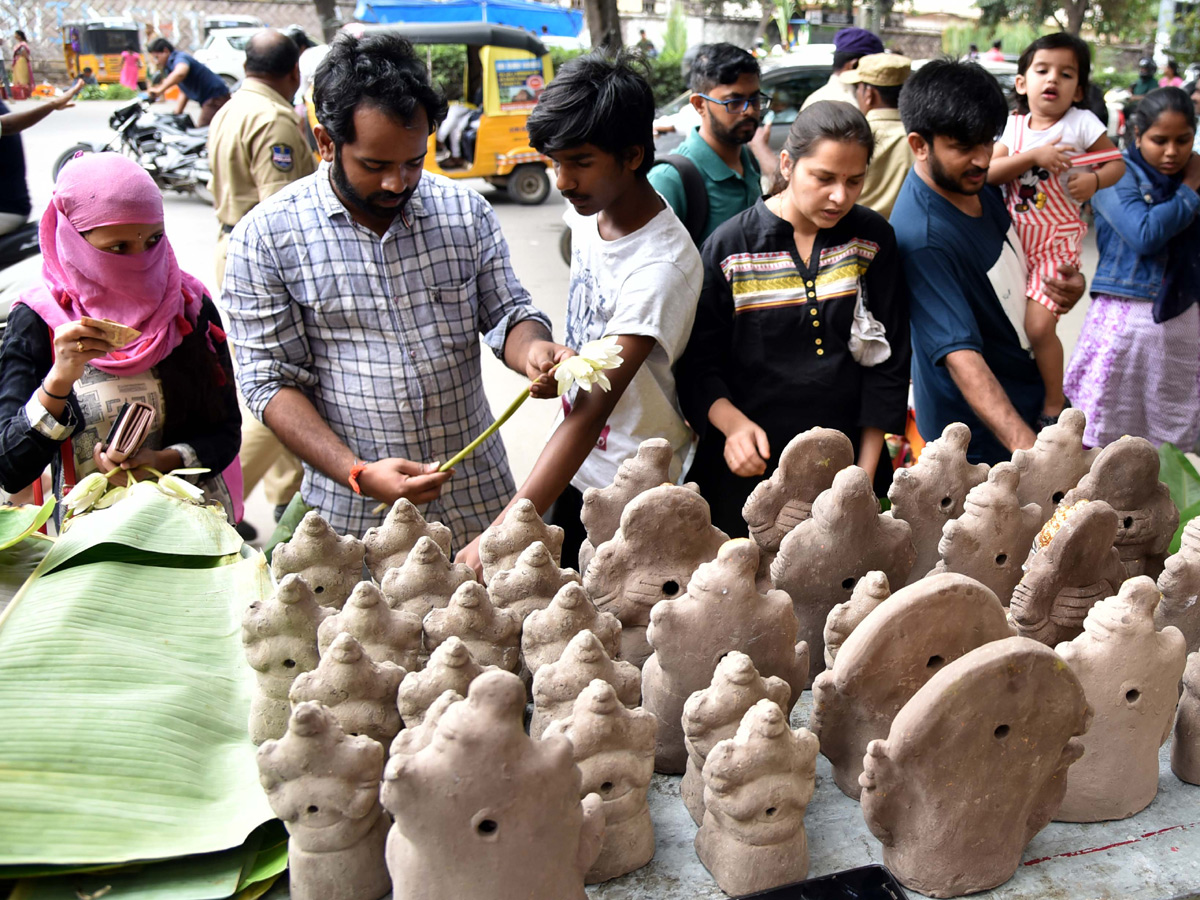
{"points": [[1077, 130], [646, 283]]}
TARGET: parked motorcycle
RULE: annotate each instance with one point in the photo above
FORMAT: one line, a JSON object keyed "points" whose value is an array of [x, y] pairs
{"points": [[164, 144], [20, 266]]}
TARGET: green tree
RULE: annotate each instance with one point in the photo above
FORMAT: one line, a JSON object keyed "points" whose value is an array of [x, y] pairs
{"points": [[604, 23], [1123, 19], [1185, 42], [675, 39]]}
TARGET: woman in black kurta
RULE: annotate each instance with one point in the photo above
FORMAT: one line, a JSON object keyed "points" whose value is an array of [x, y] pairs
{"points": [[769, 356]]}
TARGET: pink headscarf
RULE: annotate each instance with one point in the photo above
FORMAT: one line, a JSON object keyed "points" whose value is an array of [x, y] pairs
{"points": [[146, 291]]}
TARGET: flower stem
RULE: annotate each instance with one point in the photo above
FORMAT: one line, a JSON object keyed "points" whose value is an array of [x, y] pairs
{"points": [[488, 432]]}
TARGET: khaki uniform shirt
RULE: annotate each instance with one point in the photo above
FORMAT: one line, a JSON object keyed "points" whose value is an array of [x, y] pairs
{"points": [[889, 164], [255, 148], [834, 89]]}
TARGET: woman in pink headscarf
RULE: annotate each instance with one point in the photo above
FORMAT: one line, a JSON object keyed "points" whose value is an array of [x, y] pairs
{"points": [[105, 256]]}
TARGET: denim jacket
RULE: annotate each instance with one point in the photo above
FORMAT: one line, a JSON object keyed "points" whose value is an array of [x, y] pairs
{"points": [[1132, 235]]}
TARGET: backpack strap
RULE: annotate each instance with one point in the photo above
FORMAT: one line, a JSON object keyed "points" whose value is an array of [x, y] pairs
{"points": [[694, 194]]}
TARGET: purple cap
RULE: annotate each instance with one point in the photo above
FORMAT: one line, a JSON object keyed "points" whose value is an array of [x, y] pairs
{"points": [[857, 42]]}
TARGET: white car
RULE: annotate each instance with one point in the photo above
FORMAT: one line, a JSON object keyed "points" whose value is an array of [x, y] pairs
{"points": [[224, 52]]}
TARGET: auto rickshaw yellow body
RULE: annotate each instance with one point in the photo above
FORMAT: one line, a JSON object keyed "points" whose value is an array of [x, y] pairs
{"points": [[506, 70], [96, 44]]}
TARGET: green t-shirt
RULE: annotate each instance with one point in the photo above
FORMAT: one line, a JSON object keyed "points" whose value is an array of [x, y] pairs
{"points": [[1143, 86], [728, 192]]}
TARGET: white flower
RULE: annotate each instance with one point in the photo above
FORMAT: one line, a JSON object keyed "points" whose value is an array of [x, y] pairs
{"points": [[173, 486], [587, 368], [117, 493], [84, 495]]}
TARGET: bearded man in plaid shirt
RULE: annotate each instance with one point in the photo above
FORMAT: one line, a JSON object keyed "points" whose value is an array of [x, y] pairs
{"points": [[356, 298]]}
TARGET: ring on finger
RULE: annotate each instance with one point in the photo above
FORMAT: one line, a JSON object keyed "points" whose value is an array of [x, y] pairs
{"points": [[79, 346]]}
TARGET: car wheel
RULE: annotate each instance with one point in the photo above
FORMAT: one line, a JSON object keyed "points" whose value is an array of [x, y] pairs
{"points": [[564, 245], [529, 184]]}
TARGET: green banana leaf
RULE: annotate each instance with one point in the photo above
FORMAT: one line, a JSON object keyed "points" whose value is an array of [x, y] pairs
{"points": [[210, 876], [150, 521], [19, 522], [18, 562], [1179, 475], [125, 694]]}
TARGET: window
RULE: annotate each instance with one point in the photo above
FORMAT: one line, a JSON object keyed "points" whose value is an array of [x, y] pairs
{"points": [[791, 90]]}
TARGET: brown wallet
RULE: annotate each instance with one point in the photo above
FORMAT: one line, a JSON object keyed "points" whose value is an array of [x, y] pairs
{"points": [[129, 431]]}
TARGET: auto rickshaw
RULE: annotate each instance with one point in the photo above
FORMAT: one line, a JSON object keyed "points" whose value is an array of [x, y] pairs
{"points": [[506, 70], [97, 44]]}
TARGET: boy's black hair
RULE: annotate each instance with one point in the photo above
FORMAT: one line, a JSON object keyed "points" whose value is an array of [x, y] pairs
{"points": [[1060, 40], [379, 69], [958, 100], [596, 99], [1159, 101], [161, 45], [720, 64]]}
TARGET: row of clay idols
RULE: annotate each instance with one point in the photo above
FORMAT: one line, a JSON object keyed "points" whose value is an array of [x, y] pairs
{"points": [[885, 648], [476, 807], [380, 667], [409, 559]]}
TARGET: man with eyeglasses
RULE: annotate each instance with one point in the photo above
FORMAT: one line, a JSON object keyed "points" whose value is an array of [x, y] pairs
{"points": [[728, 150]]}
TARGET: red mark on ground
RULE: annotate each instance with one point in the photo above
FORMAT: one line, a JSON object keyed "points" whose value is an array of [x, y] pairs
{"points": [[1148, 834]]}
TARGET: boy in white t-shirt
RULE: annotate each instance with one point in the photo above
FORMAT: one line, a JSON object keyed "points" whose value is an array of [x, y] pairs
{"points": [[1053, 156], [635, 274]]}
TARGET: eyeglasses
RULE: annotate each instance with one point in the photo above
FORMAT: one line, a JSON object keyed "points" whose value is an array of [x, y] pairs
{"points": [[740, 104]]}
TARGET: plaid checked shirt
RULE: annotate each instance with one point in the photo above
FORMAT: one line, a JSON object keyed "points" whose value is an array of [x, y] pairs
{"points": [[382, 335]]}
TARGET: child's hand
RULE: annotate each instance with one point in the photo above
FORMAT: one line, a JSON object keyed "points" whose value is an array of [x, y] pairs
{"points": [[1082, 185], [747, 450], [543, 357], [1052, 157]]}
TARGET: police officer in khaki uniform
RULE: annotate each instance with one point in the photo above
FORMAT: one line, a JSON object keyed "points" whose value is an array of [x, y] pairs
{"points": [[255, 148], [255, 145]]}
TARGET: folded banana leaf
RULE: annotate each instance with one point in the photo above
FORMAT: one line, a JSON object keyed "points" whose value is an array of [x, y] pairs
{"points": [[19, 522], [18, 562], [210, 876], [124, 693]]}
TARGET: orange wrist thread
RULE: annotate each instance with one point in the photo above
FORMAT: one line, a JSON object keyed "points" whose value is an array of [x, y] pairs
{"points": [[355, 470]]}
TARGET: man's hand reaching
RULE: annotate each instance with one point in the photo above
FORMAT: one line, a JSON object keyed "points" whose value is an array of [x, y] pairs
{"points": [[388, 480]]}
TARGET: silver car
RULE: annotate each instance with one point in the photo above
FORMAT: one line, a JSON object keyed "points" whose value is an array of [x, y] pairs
{"points": [[787, 79]]}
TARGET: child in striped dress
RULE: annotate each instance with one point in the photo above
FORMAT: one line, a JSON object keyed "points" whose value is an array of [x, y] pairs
{"points": [[1053, 156]]}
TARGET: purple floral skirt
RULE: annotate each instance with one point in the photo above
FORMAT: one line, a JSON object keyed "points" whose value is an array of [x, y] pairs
{"points": [[1132, 376]]}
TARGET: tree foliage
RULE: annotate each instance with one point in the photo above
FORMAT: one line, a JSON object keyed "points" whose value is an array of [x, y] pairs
{"points": [[1120, 19]]}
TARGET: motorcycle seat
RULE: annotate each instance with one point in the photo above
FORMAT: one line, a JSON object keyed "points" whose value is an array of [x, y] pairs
{"points": [[19, 244]]}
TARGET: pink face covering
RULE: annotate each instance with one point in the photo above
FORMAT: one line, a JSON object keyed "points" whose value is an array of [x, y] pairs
{"points": [[146, 291]]}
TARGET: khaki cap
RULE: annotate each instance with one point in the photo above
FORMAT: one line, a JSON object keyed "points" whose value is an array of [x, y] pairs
{"points": [[880, 70]]}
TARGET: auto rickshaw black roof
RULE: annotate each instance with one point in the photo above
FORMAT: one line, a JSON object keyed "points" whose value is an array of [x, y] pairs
{"points": [[473, 33]]}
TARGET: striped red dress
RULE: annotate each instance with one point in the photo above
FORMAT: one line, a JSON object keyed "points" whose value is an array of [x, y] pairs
{"points": [[1044, 214]]}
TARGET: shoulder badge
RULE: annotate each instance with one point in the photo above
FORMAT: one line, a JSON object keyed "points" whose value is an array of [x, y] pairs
{"points": [[281, 157]]}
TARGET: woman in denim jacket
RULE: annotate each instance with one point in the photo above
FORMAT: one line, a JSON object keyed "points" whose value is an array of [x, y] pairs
{"points": [[1136, 368]]}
